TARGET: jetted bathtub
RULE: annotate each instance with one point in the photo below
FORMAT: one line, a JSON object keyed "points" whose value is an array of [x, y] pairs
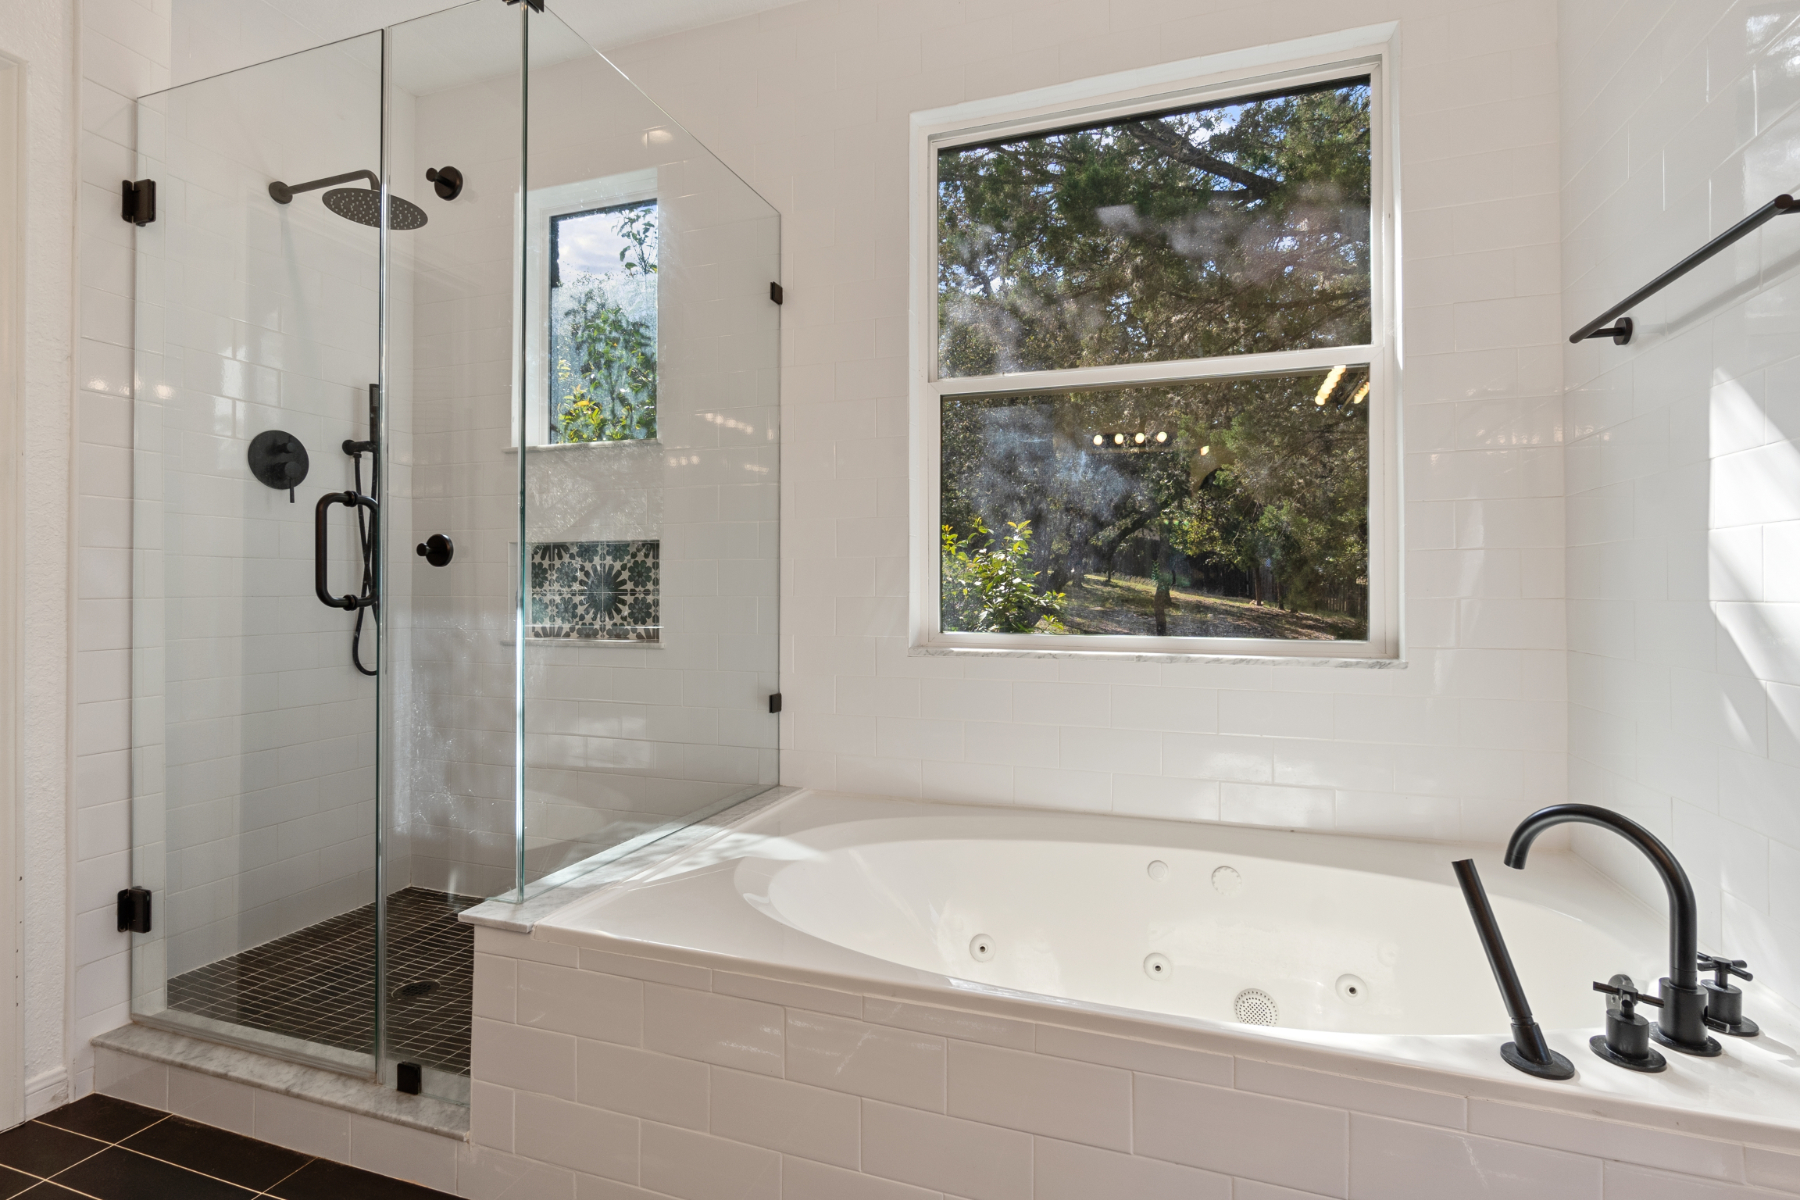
{"points": [[1350, 946]]}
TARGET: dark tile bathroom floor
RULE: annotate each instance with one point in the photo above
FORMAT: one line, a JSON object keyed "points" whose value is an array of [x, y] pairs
{"points": [[106, 1149], [315, 983]]}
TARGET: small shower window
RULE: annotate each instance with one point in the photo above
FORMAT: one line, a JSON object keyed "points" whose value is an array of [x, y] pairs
{"points": [[602, 317]]}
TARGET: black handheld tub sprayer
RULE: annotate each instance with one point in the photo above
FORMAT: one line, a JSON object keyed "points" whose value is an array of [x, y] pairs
{"points": [[1528, 1051]]}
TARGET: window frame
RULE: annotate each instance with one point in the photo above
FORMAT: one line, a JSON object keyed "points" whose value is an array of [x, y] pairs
{"points": [[543, 206], [1116, 97]]}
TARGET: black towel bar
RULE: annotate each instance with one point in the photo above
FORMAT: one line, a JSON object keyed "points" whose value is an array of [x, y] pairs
{"points": [[1620, 333]]}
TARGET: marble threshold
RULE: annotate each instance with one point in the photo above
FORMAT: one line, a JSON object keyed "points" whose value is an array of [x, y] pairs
{"points": [[314, 1084]]}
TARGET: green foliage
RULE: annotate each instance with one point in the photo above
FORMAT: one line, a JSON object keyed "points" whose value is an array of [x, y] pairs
{"points": [[992, 590], [1257, 484], [1243, 227], [605, 371], [1237, 228]]}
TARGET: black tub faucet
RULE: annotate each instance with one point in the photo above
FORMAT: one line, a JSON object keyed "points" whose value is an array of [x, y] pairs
{"points": [[1682, 1024]]}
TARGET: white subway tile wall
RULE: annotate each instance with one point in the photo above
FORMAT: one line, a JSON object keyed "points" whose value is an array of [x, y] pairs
{"points": [[867, 1105], [810, 103], [1681, 505]]}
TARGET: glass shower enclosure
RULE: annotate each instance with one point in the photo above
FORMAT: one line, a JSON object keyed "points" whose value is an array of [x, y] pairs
{"points": [[455, 523]]}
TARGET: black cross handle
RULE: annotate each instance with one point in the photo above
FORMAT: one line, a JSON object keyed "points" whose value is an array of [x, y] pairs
{"points": [[1629, 998], [1724, 968]]}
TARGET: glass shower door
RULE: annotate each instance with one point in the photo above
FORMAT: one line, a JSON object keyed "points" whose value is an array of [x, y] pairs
{"points": [[254, 748], [455, 523]]}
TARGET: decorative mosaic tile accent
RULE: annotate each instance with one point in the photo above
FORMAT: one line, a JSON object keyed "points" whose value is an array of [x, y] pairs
{"points": [[597, 591]]}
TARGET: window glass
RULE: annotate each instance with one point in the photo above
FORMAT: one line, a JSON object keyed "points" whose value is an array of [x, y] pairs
{"points": [[1236, 227], [603, 324], [1222, 508]]}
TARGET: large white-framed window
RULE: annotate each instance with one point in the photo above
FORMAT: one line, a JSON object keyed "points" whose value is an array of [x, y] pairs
{"points": [[1154, 364], [592, 250]]}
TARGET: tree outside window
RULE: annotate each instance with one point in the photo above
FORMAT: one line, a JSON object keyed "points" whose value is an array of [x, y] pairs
{"points": [[603, 324], [1217, 502]]}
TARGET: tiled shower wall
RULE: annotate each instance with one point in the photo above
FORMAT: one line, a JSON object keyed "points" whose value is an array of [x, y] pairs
{"points": [[810, 103], [1680, 118]]}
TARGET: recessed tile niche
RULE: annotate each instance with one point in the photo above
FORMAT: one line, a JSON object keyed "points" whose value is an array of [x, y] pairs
{"points": [[596, 591]]}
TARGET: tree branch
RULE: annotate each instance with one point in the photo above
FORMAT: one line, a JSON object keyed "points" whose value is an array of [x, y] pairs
{"points": [[1157, 135]]}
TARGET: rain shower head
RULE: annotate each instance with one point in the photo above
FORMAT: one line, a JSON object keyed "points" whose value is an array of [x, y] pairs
{"points": [[362, 205]]}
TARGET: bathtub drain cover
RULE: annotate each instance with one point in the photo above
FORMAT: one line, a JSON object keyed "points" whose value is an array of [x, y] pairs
{"points": [[1254, 1006]]}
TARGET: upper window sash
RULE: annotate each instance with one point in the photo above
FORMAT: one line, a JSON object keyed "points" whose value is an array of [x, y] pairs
{"points": [[1209, 99]]}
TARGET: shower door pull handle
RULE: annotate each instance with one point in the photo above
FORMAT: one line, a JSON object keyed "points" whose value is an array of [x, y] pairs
{"points": [[321, 553]]}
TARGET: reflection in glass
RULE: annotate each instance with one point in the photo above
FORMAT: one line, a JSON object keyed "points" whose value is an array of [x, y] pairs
{"points": [[1232, 228], [603, 324], [1221, 508]]}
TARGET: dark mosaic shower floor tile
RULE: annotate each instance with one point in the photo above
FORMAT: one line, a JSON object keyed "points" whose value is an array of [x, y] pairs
{"points": [[316, 983]]}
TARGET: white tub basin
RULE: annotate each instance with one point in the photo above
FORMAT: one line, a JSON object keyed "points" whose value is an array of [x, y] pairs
{"points": [[1226, 931]]}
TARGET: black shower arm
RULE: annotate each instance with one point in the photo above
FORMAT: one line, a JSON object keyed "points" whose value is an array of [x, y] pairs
{"points": [[277, 189]]}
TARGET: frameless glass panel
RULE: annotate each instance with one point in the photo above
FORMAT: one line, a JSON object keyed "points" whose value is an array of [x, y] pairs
{"points": [[650, 403], [450, 513], [253, 758], [1236, 227], [1222, 508]]}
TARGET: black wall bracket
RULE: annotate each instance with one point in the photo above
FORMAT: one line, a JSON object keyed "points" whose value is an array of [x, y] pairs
{"points": [[775, 292], [775, 702], [536, 5], [137, 201], [134, 910], [408, 1078]]}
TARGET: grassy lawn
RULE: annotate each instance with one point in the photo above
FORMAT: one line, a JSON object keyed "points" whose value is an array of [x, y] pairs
{"points": [[1128, 605]]}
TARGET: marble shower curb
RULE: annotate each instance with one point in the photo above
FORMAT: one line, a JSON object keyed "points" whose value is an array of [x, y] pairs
{"points": [[312, 1084]]}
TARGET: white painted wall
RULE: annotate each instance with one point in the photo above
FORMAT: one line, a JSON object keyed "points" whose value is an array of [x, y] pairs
{"points": [[810, 104], [1684, 679]]}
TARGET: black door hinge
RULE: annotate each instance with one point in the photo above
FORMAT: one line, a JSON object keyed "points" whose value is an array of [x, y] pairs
{"points": [[134, 910], [775, 702], [775, 292], [408, 1077], [137, 201]]}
